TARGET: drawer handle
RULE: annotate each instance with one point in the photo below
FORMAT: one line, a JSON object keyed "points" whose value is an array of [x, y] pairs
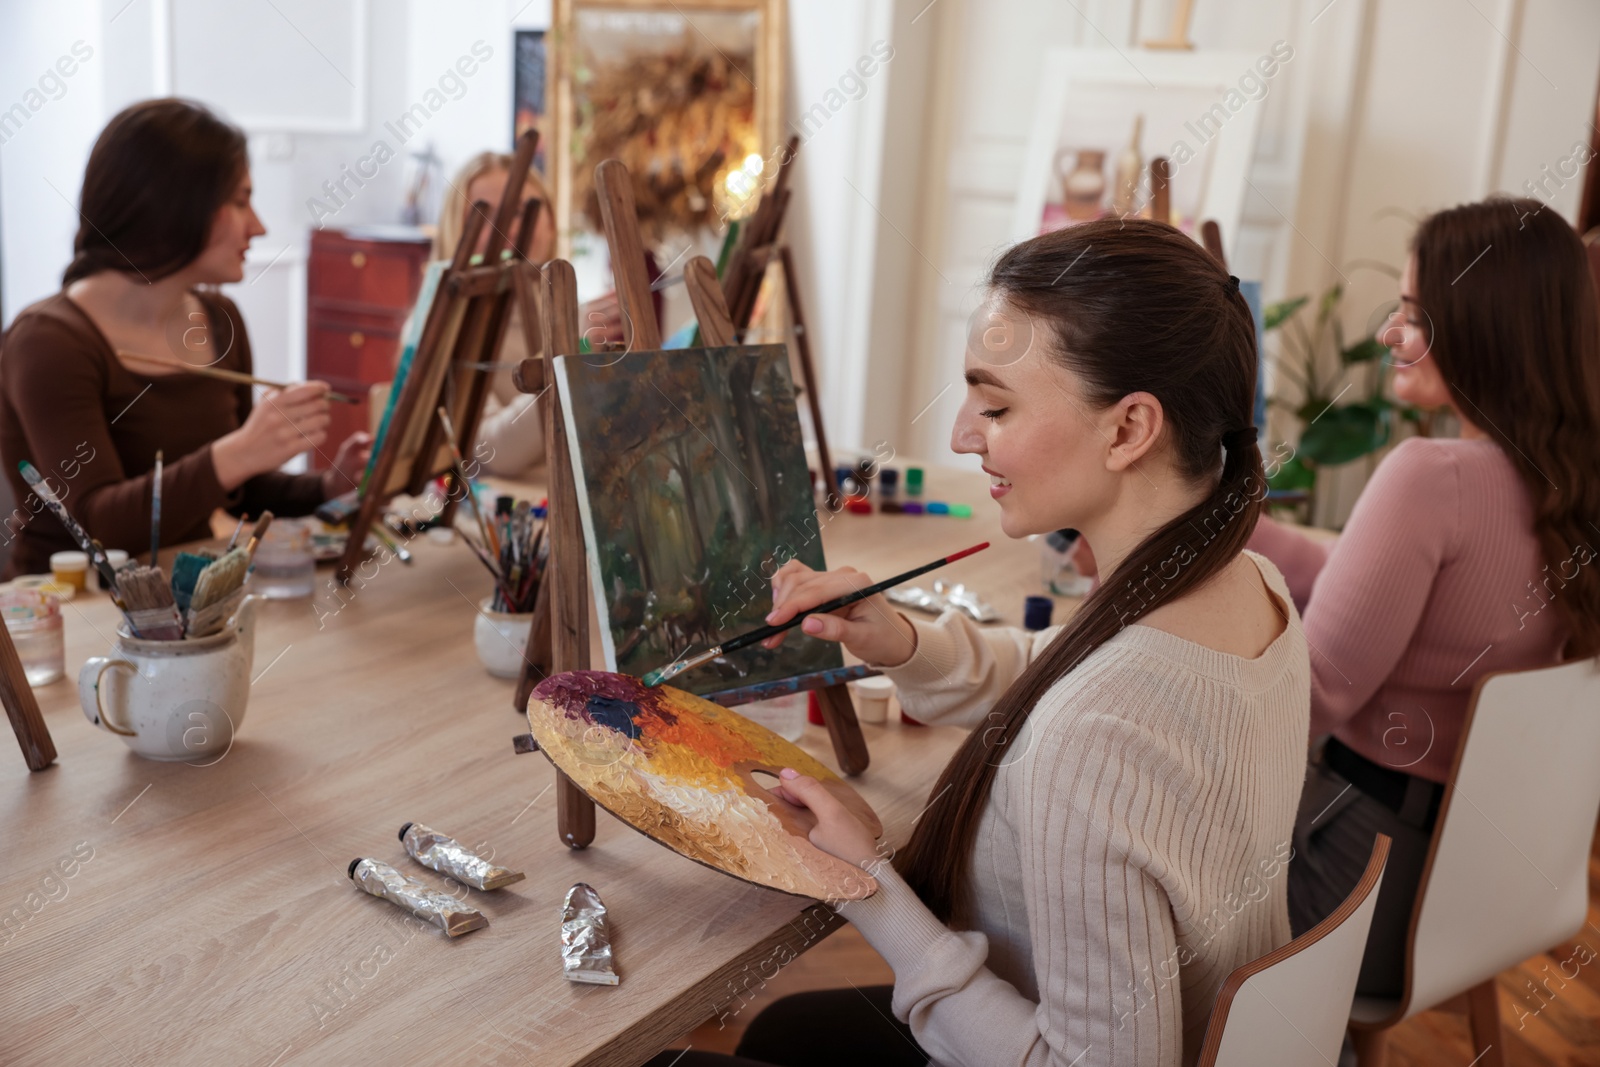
{"points": [[357, 339], [358, 260]]}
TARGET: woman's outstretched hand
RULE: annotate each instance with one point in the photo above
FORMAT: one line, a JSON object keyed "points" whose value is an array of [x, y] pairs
{"points": [[280, 426], [871, 629], [348, 465], [839, 831]]}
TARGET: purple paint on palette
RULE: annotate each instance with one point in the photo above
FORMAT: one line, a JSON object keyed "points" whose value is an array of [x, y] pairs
{"points": [[911, 507], [574, 692]]}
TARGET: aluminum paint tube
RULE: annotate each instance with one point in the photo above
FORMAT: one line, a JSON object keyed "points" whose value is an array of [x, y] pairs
{"points": [[445, 912], [586, 938], [447, 856]]}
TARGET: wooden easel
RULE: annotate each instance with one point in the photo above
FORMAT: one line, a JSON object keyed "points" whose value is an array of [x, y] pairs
{"points": [[758, 246], [566, 576], [22, 708], [465, 325]]}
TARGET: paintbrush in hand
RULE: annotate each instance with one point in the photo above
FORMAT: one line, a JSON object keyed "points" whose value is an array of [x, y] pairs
{"points": [[96, 551], [672, 670]]}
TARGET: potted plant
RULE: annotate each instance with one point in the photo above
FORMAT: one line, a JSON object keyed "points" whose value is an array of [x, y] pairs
{"points": [[1336, 427]]}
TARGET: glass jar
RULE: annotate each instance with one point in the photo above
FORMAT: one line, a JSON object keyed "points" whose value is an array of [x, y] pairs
{"points": [[784, 716], [33, 621], [285, 564]]}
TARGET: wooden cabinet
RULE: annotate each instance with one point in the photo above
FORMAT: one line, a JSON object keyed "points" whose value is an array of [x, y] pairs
{"points": [[360, 286]]}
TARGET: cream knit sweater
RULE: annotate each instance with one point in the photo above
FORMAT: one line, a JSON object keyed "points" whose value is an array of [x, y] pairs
{"points": [[1131, 855]]}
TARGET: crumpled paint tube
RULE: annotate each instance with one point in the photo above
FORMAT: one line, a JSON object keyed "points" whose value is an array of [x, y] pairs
{"points": [[586, 938], [447, 856], [445, 912]]}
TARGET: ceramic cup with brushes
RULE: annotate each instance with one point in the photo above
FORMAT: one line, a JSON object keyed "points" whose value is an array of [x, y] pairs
{"points": [[174, 700]]}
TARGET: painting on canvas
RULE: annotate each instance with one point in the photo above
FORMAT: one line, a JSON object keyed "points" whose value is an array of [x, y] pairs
{"points": [[693, 487]]}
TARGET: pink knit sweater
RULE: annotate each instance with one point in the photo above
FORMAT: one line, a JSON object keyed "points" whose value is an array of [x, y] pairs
{"points": [[1436, 581]]}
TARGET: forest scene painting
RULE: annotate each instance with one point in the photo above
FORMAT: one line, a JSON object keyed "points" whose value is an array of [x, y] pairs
{"points": [[693, 484]]}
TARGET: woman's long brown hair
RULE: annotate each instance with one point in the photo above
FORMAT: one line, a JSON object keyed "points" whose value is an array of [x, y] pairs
{"points": [[1514, 324], [1129, 306], [156, 176]]}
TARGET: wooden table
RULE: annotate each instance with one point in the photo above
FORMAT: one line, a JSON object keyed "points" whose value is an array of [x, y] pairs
{"points": [[214, 921]]}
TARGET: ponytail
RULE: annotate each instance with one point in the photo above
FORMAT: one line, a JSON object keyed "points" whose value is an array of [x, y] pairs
{"points": [[1142, 308]]}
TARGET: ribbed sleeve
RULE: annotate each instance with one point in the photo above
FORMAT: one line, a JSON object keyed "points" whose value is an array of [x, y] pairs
{"points": [[1130, 856]]}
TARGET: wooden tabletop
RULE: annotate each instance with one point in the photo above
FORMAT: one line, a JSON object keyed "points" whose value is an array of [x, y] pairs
{"points": [[213, 921]]}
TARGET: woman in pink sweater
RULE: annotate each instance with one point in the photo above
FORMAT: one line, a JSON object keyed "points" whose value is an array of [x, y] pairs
{"points": [[1109, 842], [1462, 557]]}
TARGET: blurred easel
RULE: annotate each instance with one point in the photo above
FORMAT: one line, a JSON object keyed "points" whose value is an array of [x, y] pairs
{"points": [[559, 638], [22, 708], [758, 246], [460, 338]]}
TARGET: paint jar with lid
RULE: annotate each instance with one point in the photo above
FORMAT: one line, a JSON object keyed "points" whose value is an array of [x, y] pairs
{"points": [[33, 619], [872, 698], [70, 568]]}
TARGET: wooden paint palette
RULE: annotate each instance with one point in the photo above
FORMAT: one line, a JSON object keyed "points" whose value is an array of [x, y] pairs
{"points": [[684, 772]]}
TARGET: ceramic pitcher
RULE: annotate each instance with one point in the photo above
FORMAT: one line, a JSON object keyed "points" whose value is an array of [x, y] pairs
{"points": [[174, 700]]}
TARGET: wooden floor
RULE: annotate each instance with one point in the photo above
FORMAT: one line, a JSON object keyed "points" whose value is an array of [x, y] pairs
{"points": [[1547, 1020]]}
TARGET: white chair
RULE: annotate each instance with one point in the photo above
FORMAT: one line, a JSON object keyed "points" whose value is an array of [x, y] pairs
{"points": [[1291, 1006], [1507, 874]]}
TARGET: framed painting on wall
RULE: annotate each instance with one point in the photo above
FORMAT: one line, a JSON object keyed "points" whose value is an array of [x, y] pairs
{"points": [[1102, 116], [688, 95]]}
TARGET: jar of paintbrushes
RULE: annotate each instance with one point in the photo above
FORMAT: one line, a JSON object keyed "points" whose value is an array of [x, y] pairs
{"points": [[513, 552], [176, 685]]}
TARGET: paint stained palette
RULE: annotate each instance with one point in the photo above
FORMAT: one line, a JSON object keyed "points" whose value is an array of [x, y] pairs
{"points": [[684, 771]]}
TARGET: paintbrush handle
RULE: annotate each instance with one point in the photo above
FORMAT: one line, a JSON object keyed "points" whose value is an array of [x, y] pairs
{"points": [[155, 511], [224, 375], [95, 550], [746, 639]]}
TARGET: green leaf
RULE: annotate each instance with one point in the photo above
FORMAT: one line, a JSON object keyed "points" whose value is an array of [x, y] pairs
{"points": [[1342, 434], [1292, 474], [1330, 301], [1277, 314], [1364, 351]]}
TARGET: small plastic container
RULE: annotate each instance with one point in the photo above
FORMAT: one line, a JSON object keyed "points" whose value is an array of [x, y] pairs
{"points": [[33, 620], [1036, 611], [784, 716], [872, 698], [70, 568], [1058, 569], [286, 563]]}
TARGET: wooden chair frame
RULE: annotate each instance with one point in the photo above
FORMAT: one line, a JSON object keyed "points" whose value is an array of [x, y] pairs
{"points": [[559, 638]]}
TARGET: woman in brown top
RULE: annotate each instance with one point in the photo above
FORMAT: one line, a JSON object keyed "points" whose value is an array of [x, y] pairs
{"points": [[84, 395]]}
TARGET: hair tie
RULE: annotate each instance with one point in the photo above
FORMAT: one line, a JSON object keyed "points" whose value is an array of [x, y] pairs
{"points": [[1232, 285], [1241, 438]]}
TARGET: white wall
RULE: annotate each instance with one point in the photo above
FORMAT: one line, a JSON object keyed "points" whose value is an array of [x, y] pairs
{"points": [[1390, 109], [42, 159]]}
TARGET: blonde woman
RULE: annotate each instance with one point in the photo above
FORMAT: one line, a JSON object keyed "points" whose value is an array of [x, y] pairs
{"points": [[510, 435]]}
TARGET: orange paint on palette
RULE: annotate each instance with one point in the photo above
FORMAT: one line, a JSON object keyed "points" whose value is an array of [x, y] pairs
{"points": [[721, 742], [681, 770]]}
